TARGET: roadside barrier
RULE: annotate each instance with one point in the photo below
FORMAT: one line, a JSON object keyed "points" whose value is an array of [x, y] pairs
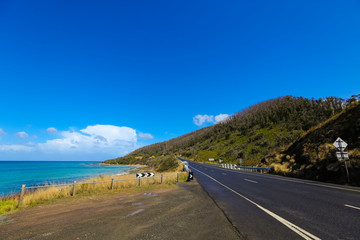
{"points": [[255, 169], [188, 170], [243, 168], [74, 184], [231, 166]]}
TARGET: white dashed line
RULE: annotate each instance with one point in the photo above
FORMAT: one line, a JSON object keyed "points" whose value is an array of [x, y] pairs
{"points": [[250, 180], [291, 180], [347, 205], [306, 235]]}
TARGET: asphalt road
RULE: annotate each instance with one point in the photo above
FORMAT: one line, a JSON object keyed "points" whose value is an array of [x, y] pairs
{"points": [[263, 206]]}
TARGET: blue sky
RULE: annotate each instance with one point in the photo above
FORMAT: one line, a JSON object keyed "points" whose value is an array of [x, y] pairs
{"points": [[110, 76]]}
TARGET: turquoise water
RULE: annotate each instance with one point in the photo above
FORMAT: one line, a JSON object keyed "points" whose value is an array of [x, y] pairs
{"points": [[15, 173]]}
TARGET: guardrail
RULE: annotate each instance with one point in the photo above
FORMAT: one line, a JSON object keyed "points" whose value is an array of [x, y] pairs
{"points": [[255, 169], [111, 187], [245, 168], [242, 168], [234, 166], [186, 168]]}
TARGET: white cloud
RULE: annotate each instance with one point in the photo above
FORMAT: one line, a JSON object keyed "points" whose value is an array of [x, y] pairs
{"points": [[94, 139], [145, 136], [111, 133], [199, 120], [2, 132], [21, 135], [15, 147], [221, 117], [96, 142], [52, 131]]}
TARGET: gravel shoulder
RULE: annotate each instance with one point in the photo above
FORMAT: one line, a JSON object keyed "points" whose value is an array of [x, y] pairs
{"points": [[184, 212]]}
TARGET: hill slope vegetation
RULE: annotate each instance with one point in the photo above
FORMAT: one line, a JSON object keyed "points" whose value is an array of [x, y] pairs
{"points": [[251, 134], [313, 156]]}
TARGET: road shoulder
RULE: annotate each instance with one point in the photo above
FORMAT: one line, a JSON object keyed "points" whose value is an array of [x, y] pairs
{"points": [[185, 212]]}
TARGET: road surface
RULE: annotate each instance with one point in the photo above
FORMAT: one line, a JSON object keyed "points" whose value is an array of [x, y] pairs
{"points": [[263, 206]]}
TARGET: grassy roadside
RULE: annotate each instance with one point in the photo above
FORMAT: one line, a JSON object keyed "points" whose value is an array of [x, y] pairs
{"points": [[51, 194]]}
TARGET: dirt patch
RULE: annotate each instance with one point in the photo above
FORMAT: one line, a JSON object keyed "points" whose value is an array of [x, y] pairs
{"points": [[5, 220], [185, 212]]}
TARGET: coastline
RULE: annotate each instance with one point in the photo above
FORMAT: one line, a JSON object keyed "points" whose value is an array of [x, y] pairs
{"points": [[130, 165], [102, 184], [52, 174], [135, 169]]}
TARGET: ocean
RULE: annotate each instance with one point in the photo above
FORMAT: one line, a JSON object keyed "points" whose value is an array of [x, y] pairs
{"points": [[15, 173]]}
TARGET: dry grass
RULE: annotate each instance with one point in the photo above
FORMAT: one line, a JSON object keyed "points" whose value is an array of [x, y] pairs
{"points": [[180, 167], [278, 167], [121, 183]]}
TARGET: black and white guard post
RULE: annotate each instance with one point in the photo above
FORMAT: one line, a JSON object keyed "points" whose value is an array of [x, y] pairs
{"points": [[191, 175], [145, 175], [341, 155]]}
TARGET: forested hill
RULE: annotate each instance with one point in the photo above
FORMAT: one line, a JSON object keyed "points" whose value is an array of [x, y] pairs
{"points": [[313, 156], [250, 134]]}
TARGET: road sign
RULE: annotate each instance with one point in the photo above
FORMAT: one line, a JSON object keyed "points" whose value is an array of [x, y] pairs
{"points": [[191, 175], [211, 159], [342, 155], [240, 160], [145, 174], [340, 144]]}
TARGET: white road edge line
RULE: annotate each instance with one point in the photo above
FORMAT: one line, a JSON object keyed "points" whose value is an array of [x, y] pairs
{"points": [[347, 205], [306, 235], [248, 180]]}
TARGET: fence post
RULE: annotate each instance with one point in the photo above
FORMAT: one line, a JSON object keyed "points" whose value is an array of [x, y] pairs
{"points": [[74, 188], [21, 195], [177, 177], [161, 179], [139, 181], [112, 184]]}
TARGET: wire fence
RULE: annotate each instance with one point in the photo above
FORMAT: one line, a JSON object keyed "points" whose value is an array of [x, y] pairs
{"points": [[137, 181]]}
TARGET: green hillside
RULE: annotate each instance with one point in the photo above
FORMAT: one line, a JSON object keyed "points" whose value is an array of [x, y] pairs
{"points": [[250, 134], [312, 156]]}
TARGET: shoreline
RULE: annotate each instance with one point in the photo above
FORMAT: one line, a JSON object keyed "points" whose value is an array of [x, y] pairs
{"points": [[130, 165], [136, 168], [68, 180], [102, 184]]}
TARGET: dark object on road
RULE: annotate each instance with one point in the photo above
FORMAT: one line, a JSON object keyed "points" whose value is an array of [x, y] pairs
{"points": [[190, 176]]}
